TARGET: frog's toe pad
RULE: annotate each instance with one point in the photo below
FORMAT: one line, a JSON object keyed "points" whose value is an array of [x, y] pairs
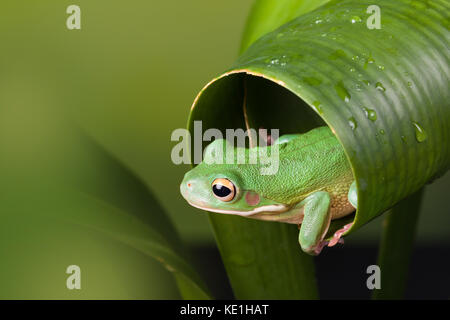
{"points": [[338, 234], [318, 249]]}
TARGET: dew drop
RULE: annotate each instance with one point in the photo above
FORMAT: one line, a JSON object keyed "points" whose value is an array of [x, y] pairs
{"points": [[366, 82], [410, 84], [404, 139], [342, 91], [317, 106], [380, 86], [275, 61], [382, 131], [421, 135], [369, 60], [356, 19], [352, 123], [370, 114], [381, 67]]}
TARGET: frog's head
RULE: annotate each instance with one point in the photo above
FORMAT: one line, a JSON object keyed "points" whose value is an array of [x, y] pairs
{"points": [[224, 188]]}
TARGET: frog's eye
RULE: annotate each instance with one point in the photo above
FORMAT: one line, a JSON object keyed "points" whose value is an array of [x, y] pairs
{"points": [[223, 189]]}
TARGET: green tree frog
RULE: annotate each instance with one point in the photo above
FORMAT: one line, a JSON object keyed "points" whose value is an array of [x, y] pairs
{"points": [[313, 185]]}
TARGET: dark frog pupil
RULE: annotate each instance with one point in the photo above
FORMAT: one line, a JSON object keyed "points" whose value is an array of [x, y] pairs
{"points": [[221, 191]]}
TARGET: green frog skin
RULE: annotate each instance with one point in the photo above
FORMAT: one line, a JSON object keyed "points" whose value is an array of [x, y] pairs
{"points": [[313, 185]]}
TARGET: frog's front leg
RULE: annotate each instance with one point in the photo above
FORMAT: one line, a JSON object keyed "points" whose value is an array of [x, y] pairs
{"points": [[316, 221]]}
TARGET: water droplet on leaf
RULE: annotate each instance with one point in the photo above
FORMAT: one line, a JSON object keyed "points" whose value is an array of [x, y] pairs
{"points": [[356, 19], [404, 139], [369, 60], [317, 106], [352, 123], [380, 86], [370, 114], [342, 91], [421, 135], [275, 61]]}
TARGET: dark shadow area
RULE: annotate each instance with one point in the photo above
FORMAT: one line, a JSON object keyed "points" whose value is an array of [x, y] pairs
{"points": [[242, 101], [342, 273], [270, 105]]}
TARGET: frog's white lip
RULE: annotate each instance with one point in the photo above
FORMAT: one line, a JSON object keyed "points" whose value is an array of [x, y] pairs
{"points": [[274, 208]]}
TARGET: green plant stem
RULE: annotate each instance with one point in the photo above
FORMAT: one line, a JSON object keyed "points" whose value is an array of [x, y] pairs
{"points": [[263, 259], [396, 247]]}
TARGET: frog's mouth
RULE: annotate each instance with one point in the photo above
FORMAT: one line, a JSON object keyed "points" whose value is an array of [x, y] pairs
{"points": [[269, 209]]}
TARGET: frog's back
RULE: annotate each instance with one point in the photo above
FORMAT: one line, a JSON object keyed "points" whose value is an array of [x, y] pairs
{"points": [[311, 162]]}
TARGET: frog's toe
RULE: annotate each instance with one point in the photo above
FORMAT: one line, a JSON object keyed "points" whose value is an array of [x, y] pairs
{"points": [[320, 246], [316, 249], [338, 234]]}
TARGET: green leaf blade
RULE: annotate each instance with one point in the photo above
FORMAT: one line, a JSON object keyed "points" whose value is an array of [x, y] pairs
{"points": [[379, 70], [263, 260], [267, 15], [383, 92]]}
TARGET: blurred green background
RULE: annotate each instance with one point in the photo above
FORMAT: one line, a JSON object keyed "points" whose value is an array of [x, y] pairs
{"points": [[127, 79]]}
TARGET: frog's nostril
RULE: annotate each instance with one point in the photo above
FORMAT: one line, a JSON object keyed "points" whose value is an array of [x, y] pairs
{"points": [[185, 189]]}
